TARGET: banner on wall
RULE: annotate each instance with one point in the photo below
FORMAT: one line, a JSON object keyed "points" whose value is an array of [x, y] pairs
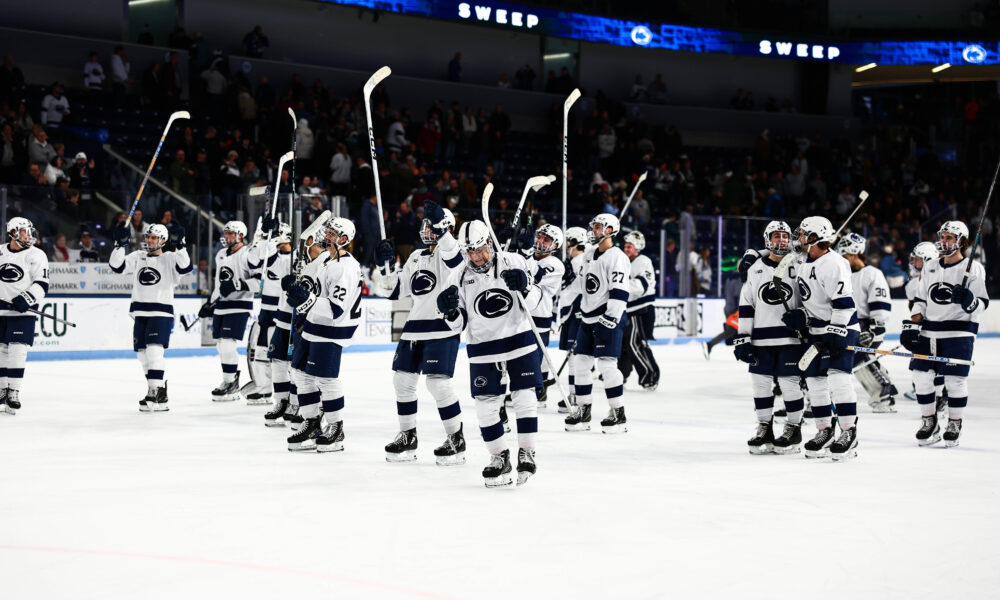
{"points": [[98, 278]]}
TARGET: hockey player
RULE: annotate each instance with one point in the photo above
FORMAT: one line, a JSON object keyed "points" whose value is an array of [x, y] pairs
{"points": [[427, 345], [829, 321], [944, 323], [770, 348], [546, 271], [278, 263], [285, 378], [871, 300], [920, 255], [24, 281], [599, 339], [500, 340], [641, 316], [569, 302], [157, 270], [230, 305], [331, 317]]}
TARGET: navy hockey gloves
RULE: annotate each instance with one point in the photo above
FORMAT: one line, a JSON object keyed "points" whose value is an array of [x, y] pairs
{"points": [[385, 253], [744, 350], [121, 235], [965, 297], [796, 320], [231, 286], [447, 302], [516, 280]]}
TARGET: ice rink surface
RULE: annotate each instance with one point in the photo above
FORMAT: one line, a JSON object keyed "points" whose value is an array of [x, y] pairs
{"points": [[100, 501]]}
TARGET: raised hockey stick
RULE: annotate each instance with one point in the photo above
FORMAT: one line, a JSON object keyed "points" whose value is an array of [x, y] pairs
{"points": [[285, 158], [40, 314], [979, 229], [567, 105], [520, 299], [181, 114], [621, 216], [370, 86], [901, 354], [534, 184]]}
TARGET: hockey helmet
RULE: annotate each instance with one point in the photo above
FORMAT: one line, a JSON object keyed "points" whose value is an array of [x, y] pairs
{"points": [[239, 231], [474, 242], [313, 231], [337, 229], [427, 234], [154, 238], [555, 239], [603, 221], [955, 228], [576, 236], [817, 230], [23, 231], [637, 240], [284, 235], [778, 247], [852, 243], [924, 251]]}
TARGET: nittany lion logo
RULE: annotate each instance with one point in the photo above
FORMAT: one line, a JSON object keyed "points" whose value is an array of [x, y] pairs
{"points": [[494, 303], [775, 295], [422, 282], [941, 293], [479, 381], [9, 273], [804, 292], [310, 284], [271, 275], [148, 276], [225, 274], [593, 283]]}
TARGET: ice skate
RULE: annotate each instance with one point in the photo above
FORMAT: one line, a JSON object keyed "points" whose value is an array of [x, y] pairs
{"points": [[790, 440], [579, 420], [615, 421], [846, 446], [525, 465], [763, 440], [929, 432], [452, 451], [227, 391], [9, 404], [706, 350], [911, 395], [819, 446], [275, 416], [952, 433], [254, 395], [146, 404], [883, 406], [155, 400], [562, 408], [304, 440], [331, 438], [292, 417], [498, 473], [403, 448]]}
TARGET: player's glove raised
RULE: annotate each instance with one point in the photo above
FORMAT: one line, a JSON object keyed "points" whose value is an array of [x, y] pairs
{"points": [[121, 235], [385, 253]]}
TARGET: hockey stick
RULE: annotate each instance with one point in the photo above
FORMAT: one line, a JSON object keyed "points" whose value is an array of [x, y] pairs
{"points": [[181, 114], [901, 354], [286, 157], [40, 313], [184, 322], [567, 105], [621, 216], [535, 183], [370, 86], [520, 298], [979, 230], [872, 361]]}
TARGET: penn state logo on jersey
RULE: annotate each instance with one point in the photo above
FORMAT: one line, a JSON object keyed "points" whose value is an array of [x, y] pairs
{"points": [[941, 293], [9, 273], [310, 284], [422, 282], [225, 274], [493, 303], [272, 276], [593, 283], [775, 294], [804, 292], [148, 276]]}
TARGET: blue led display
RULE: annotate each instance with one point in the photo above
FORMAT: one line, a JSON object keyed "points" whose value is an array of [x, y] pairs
{"points": [[681, 38]]}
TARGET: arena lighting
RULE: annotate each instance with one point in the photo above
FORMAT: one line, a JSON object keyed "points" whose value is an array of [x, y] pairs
{"points": [[138, 2], [558, 55], [940, 68], [867, 67]]}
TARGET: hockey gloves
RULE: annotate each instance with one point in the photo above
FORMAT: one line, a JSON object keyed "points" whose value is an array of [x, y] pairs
{"points": [[911, 340], [231, 286], [121, 234], [447, 302], [873, 336], [434, 213], [965, 297], [22, 302], [516, 280], [525, 239], [569, 276], [744, 350], [206, 310], [176, 239], [796, 320], [749, 258], [835, 338], [604, 328], [268, 224], [385, 253], [301, 298], [287, 282]]}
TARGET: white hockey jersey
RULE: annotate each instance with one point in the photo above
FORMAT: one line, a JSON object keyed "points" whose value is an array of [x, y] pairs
{"points": [[824, 287], [277, 266], [22, 270], [422, 278], [309, 276], [497, 327], [154, 281], [641, 284], [871, 294], [337, 311], [762, 305], [572, 294], [941, 318], [547, 275], [238, 265], [605, 284]]}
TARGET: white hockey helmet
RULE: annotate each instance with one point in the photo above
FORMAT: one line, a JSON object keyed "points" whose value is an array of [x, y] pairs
{"points": [[925, 251], [637, 240], [313, 231], [427, 234], [337, 229], [605, 221], [236, 227], [778, 247], [852, 243], [956, 228], [474, 237], [819, 228], [23, 231], [284, 235], [576, 236], [555, 242], [154, 238]]}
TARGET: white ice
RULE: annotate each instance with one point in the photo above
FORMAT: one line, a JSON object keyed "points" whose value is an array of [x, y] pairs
{"points": [[100, 501]]}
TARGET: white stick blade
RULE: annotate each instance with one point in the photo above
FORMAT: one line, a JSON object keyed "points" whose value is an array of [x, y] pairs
{"points": [[181, 114], [258, 190], [537, 183], [863, 195], [571, 99], [642, 177], [287, 156], [376, 79], [487, 192], [291, 113]]}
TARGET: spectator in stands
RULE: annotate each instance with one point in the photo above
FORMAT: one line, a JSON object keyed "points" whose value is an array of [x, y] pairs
{"points": [[152, 86], [93, 74], [306, 145], [658, 90], [82, 177], [670, 249], [845, 201], [60, 253], [229, 178], [67, 200], [703, 268], [54, 171], [247, 109], [204, 278], [503, 82], [525, 78], [55, 107], [182, 175], [145, 36], [249, 175], [138, 227], [340, 171], [455, 68], [499, 121], [395, 137], [255, 42], [639, 209], [11, 80], [88, 251], [40, 151], [13, 156], [121, 75], [172, 80], [638, 93], [565, 81], [405, 231]]}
